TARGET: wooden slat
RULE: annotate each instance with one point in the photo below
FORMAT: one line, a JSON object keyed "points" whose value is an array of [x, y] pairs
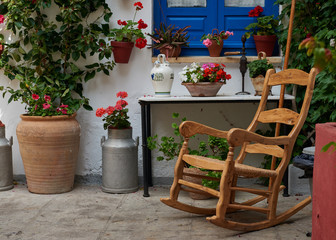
{"points": [[201, 176], [249, 171], [279, 115], [272, 150], [191, 190], [289, 76], [260, 192], [250, 208], [203, 162], [199, 187]]}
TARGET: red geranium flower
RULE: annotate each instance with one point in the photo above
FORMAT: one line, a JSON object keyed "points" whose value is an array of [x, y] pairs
{"points": [[46, 105], [122, 102], [2, 19], [47, 98], [140, 43], [138, 6], [122, 22], [142, 24], [35, 97], [118, 107], [109, 110], [100, 112], [122, 94]]}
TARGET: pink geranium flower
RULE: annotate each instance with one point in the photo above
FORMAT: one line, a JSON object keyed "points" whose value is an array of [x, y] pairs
{"points": [[47, 98], [35, 97], [207, 42], [46, 105]]}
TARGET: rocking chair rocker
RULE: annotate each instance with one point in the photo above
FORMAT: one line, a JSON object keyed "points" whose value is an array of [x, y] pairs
{"points": [[250, 142]]}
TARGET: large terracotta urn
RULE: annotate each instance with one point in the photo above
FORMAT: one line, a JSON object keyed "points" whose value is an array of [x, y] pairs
{"points": [[49, 150]]}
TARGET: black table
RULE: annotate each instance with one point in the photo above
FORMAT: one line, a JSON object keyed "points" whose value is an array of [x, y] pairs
{"points": [[147, 101]]}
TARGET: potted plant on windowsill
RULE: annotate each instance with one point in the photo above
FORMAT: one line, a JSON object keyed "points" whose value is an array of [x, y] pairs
{"points": [[214, 41], [205, 80], [123, 38], [257, 72], [120, 151], [263, 31], [43, 58], [169, 39]]}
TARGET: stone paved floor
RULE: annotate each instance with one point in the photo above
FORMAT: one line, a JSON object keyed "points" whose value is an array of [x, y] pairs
{"points": [[88, 213]]}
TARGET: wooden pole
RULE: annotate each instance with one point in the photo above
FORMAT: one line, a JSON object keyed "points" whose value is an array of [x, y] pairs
{"points": [[282, 91]]}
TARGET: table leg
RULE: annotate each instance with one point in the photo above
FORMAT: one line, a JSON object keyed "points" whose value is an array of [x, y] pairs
{"points": [[146, 153]]}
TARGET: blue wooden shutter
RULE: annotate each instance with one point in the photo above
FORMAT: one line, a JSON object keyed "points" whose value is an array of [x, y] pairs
{"points": [[203, 19]]}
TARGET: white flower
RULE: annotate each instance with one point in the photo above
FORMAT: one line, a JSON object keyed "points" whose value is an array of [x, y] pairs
{"points": [[186, 68], [332, 42], [182, 76], [194, 77], [194, 65]]}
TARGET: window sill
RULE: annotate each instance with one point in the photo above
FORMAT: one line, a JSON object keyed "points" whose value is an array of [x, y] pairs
{"points": [[226, 59]]}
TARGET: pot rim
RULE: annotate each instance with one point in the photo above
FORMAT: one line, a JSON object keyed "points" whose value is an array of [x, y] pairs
{"points": [[27, 117], [203, 83]]}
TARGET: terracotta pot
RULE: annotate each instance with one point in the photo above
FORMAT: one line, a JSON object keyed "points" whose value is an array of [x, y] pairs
{"points": [[49, 150], [265, 44], [171, 52], [215, 49], [203, 89], [197, 196], [122, 51]]}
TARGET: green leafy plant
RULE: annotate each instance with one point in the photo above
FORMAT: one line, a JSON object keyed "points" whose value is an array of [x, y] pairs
{"points": [[131, 30], [259, 67], [116, 116], [43, 57], [169, 148], [317, 23], [265, 25], [169, 36]]}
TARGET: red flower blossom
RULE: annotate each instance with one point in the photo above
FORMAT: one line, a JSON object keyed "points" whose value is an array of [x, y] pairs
{"points": [[100, 112], [122, 22], [64, 106], [47, 98], [46, 105], [122, 102], [35, 97], [33, 1], [2, 19], [64, 111], [140, 43], [256, 11], [122, 94], [118, 107], [227, 76], [142, 24], [138, 6], [109, 110]]}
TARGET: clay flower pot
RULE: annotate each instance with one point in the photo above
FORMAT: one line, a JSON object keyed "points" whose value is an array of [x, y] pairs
{"points": [[265, 44], [122, 51], [171, 51], [203, 89], [215, 49], [49, 150]]}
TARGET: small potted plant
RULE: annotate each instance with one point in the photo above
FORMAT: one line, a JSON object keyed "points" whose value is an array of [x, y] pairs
{"points": [[169, 39], [257, 72], [123, 38], [119, 151], [263, 31], [205, 80], [214, 41]]}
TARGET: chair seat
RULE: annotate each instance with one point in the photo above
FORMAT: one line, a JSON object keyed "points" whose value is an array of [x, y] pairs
{"points": [[249, 171]]}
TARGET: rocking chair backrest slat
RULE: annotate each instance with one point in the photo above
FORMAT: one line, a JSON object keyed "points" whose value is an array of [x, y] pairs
{"points": [[289, 76], [273, 150], [279, 115]]}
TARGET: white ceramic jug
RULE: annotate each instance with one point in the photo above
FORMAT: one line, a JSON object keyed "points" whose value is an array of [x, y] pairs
{"points": [[162, 77]]}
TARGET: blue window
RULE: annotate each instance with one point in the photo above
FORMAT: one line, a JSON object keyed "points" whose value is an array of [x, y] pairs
{"points": [[205, 15]]}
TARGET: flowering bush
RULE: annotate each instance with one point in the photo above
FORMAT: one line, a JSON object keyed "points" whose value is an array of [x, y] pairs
{"points": [[116, 116], [265, 25], [48, 40], [215, 36], [210, 72], [130, 30]]}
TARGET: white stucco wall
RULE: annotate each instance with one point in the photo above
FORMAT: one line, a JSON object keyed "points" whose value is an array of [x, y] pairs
{"points": [[134, 78]]}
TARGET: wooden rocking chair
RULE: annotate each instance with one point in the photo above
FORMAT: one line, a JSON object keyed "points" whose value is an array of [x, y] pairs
{"points": [[250, 142]]}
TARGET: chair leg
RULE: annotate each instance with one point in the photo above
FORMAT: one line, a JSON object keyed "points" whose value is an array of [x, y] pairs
{"points": [[225, 191]]}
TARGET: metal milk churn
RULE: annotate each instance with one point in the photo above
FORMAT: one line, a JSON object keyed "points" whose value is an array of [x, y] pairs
{"points": [[120, 161], [6, 166], [162, 77]]}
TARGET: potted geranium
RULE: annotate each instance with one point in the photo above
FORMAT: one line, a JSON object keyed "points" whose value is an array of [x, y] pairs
{"points": [[123, 38], [169, 39], [205, 80], [257, 72], [263, 31], [42, 58], [214, 41], [120, 151]]}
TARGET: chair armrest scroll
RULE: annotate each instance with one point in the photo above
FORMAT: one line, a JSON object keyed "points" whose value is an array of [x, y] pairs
{"points": [[237, 136], [190, 128]]}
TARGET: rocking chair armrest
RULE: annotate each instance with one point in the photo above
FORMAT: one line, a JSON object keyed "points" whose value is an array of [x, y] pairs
{"points": [[190, 128], [237, 136]]}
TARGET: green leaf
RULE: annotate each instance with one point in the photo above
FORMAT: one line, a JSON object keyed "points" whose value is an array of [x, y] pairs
{"points": [[75, 56], [65, 92], [89, 76], [87, 107]]}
